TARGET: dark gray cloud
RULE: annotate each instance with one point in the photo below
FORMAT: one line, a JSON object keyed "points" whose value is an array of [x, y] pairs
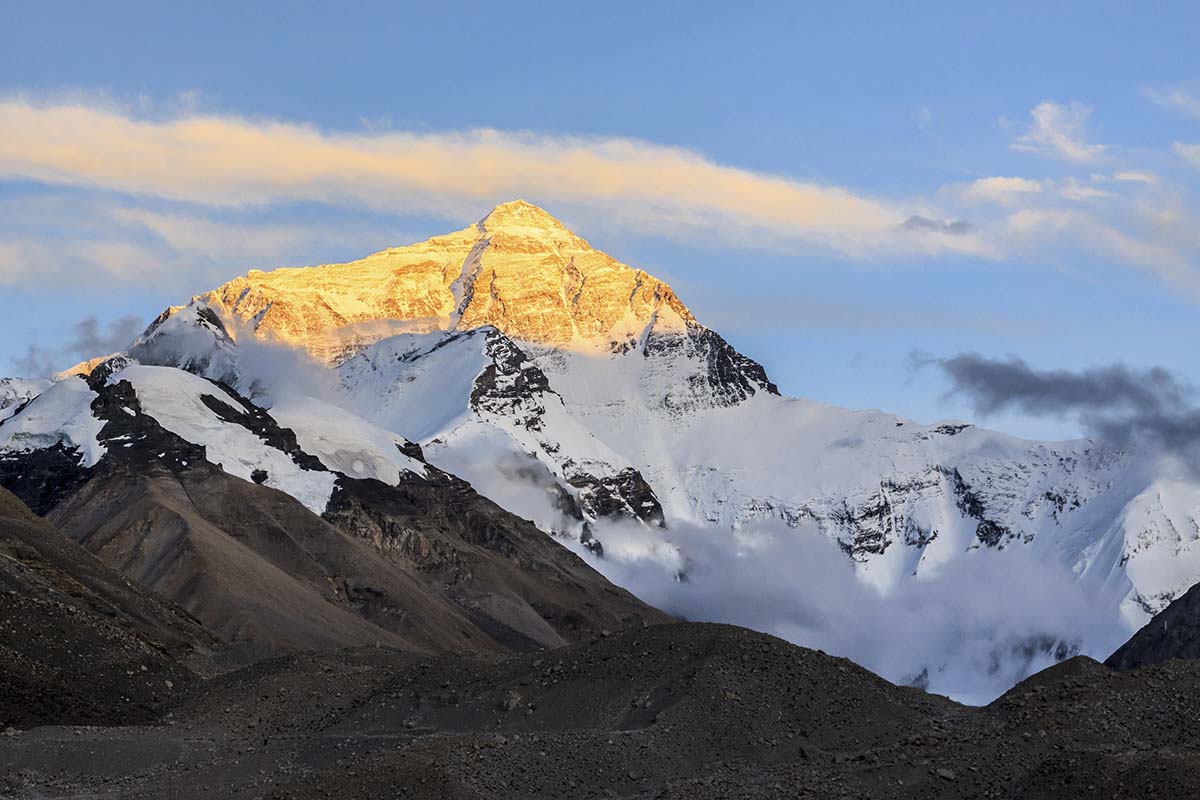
{"points": [[87, 339], [1117, 403], [1010, 384], [954, 227], [36, 363]]}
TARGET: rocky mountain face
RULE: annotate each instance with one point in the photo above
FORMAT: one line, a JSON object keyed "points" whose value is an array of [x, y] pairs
{"points": [[518, 270], [521, 273], [80, 642], [581, 394]]}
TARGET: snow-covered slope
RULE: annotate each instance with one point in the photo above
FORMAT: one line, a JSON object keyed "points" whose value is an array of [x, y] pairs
{"points": [[58, 417], [199, 412], [190, 337], [577, 390], [474, 392], [16, 391], [182, 483]]}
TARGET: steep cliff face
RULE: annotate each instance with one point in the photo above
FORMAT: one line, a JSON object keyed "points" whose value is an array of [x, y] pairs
{"points": [[1173, 633]]}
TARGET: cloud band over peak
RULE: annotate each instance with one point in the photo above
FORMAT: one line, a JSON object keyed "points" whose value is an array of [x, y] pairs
{"points": [[230, 161]]}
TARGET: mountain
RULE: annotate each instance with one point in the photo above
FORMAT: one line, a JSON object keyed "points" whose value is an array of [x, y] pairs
{"points": [[190, 489], [581, 394], [523, 277], [1173, 633], [602, 373], [79, 642]]}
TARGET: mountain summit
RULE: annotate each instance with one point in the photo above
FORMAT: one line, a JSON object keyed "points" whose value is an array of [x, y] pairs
{"points": [[519, 214], [518, 269]]}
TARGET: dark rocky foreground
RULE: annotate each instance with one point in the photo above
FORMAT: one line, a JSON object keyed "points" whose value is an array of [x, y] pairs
{"points": [[670, 711]]}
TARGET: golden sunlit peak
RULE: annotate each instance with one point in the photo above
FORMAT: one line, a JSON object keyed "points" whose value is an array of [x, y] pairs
{"points": [[520, 214]]}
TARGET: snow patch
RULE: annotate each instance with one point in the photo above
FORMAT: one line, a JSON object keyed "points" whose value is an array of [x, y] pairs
{"points": [[173, 398], [344, 442]]}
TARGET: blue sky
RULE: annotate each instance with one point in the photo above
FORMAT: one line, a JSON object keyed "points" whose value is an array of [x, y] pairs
{"points": [[765, 161]]}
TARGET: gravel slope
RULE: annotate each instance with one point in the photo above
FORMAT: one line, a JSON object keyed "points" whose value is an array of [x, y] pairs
{"points": [[675, 711], [78, 641]]}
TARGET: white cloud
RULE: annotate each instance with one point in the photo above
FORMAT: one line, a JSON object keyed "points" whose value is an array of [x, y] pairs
{"points": [[1158, 242], [1024, 191], [1075, 189], [94, 243], [1002, 190], [1136, 177], [796, 584], [235, 163], [1058, 131], [1182, 98], [1128, 218], [1188, 152]]}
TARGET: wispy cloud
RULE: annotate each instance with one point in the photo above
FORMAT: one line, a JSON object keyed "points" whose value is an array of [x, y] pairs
{"points": [[1131, 176], [1183, 98], [184, 199], [233, 162], [1076, 189], [1128, 218], [1001, 189], [1057, 131], [1152, 240], [96, 241], [1188, 152]]}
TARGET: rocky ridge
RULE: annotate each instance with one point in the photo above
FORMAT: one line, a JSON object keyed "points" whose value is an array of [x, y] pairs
{"points": [[192, 490]]}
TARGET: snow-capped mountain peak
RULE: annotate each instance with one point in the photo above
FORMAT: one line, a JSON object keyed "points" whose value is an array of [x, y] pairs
{"points": [[519, 215], [519, 270], [580, 392]]}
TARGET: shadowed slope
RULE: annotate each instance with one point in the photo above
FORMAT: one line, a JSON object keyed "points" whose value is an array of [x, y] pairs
{"points": [[1173, 633], [78, 641]]}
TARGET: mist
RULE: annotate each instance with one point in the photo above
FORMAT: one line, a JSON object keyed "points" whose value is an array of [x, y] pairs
{"points": [[970, 632], [87, 339]]}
